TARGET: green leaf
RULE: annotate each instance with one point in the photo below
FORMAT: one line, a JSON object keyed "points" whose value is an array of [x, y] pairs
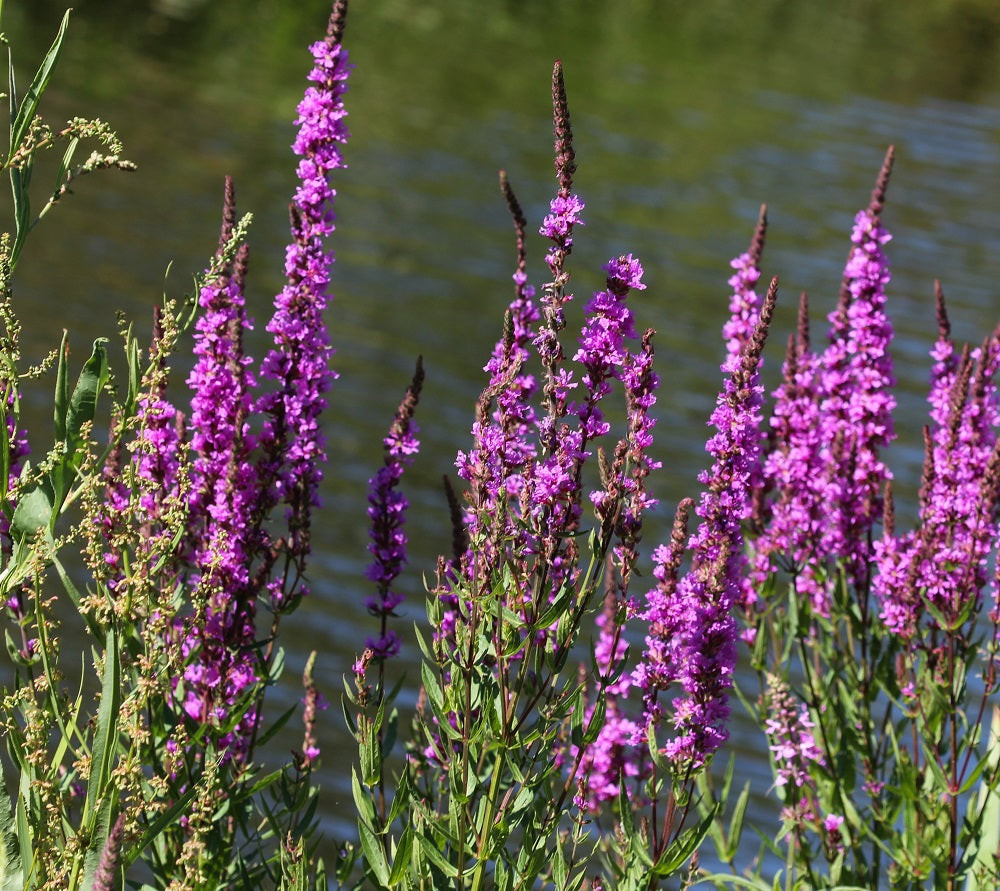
{"points": [[99, 787], [23, 830], [401, 859], [65, 164], [560, 868], [83, 403], [986, 844], [98, 840], [11, 878], [625, 809], [431, 686], [279, 722], [95, 627], [23, 114], [736, 825], [436, 857], [22, 207], [362, 802], [399, 800], [61, 404], [374, 855], [34, 510], [684, 846], [370, 755]]}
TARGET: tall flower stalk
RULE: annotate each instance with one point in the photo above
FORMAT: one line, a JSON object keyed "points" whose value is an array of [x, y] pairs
{"points": [[387, 508], [692, 638], [291, 441]]}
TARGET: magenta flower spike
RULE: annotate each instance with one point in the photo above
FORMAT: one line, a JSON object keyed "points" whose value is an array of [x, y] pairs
{"points": [[502, 447], [223, 504], [691, 642], [789, 734], [832, 416], [744, 305], [945, 560], [855, 383], [298, 362], [793, 468], [387, 508]]}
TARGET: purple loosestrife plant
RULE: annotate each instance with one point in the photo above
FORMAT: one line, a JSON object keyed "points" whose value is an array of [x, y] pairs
{"points": [[869, 697], [938, 571], [499, 709], [239, 476], [179, 539], [832, 415], [691, 641]]}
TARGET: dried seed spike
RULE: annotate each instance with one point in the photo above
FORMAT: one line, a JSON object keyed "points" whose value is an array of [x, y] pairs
{"points": [[888, 512], [958, 397], [338, 18], [459, 534], [678, 540], [240, 264], [520, 225], [927, 474], [881, 184], [565, 158], [982, 375], [843, 301], [507, 335], [791, 365], [759, 237], [157, 335], [228, 212], [941, 312], [802, 325], [990, 490], [604, 466], [755, 346], [513, 205], [404, 414]]}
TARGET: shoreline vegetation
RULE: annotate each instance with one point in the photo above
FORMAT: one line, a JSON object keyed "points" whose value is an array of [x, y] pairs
{"points": [[570, 705]]}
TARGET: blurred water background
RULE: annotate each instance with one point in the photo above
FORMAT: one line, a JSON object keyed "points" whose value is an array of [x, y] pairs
{"points": [[686, 116]]}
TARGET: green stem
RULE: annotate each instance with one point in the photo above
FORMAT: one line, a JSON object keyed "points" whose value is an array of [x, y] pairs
{"points": [[486, 826]]}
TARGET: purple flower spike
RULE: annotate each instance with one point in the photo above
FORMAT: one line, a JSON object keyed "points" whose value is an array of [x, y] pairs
{"points": [[387, 511], [692, 635], [224, 504], [856, 381], [602, 351], [789, 734], [298, 362], [945, 560], [794, 469], [744, 305]]}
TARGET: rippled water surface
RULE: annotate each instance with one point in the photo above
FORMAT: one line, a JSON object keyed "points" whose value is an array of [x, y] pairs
{"points": [[685, 123]]}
